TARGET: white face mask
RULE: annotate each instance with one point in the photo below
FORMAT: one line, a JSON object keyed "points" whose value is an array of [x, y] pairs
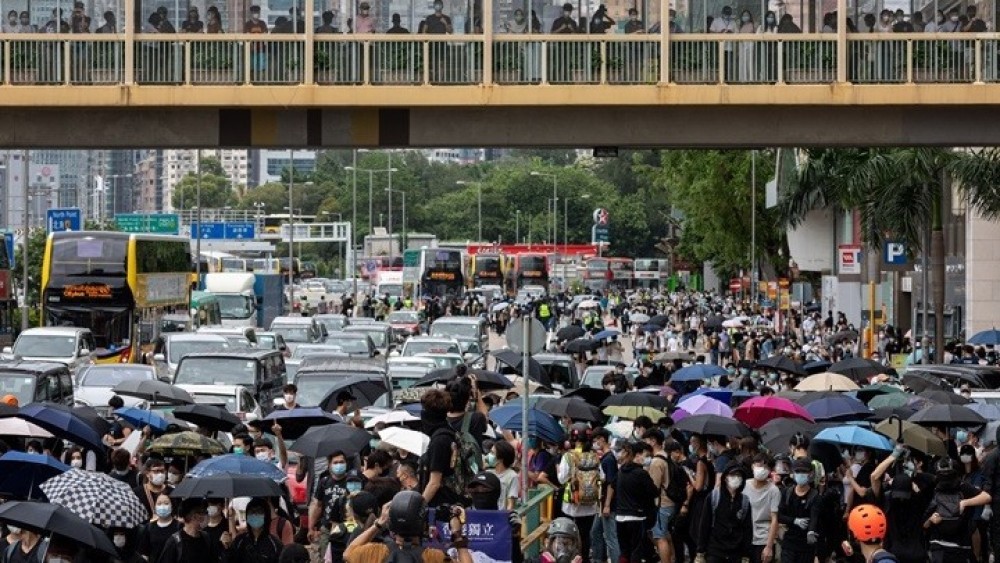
{"points": [[119, 541], [76, 463], [263, 456], [761, 473], [174, 478], [965, 458], [213, 511], [746, 19], [734, 481], [157, 479]]}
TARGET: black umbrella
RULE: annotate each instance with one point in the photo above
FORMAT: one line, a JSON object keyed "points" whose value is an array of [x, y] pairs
{"points": [[209, 417], [295, 422], [904, 412], [778, 432], [714, 322], [712, 425], [485, 379], [227, 486], [828, 454], [45, 518], [659, 320], [573, 407], [324, 440], [947, 415], [513, 359], [635, 399], [153, 391], [569, 333], [592, 395], [844, 335], [782, 363], [858, 369], [923, 381], [95, 419], [944, 397], [581, 345], [816, 366], [365, 390]]}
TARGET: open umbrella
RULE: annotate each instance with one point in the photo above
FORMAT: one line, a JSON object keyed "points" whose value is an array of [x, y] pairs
{"points": [[651, 328], [843, 335], [633, 412], [854, 436], [209, 417], [324, 440], [918, 381], [405, 439], [227, 486], [697, 372], [55, 519], [869, 392], [989, 411], [944, 397], [702, 404], [143, 417], [891, 400], [295, 422], [827, 381], [714, 322], [365, 389], [732, 323], [21, 473], [903, 411], [758, 411], [838, 409], [185, 444], [574, 408], [811, 396], [513, 359], [606, 334], [683, 356], [986, 338], [237, 464], [712, 425], [721, 395], [777, 433], [634, 399], [638, 318], [581, 345], [96, 497], [62, 422], [660, 320], [569, 333], [913, 435], [485, 379], [540, 424], [399, 416], [947, 415], [782, 363], [592, 395], [154, 391], [858, 369], [92, 417], [816, 366], [22, 428]]}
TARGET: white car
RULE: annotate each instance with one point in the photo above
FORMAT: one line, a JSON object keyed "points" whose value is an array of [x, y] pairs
{"points": [[67, 345], [93, 386], [444, 361], [234, 398], [176, 346], [430, 345]]}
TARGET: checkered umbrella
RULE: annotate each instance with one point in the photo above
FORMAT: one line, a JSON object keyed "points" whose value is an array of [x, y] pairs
{"points": [[97, 498]]}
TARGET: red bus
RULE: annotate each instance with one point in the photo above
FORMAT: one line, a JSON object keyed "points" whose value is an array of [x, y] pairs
{"points": [[528, 268]]}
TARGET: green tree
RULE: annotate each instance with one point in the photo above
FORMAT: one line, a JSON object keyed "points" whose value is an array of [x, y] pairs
{"points": [[216, 188], [36, 252]]}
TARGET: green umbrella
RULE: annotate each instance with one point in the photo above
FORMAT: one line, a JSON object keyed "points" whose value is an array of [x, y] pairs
{"points": [[891, 400], [185, 444], [913, 435], [869, 392]]}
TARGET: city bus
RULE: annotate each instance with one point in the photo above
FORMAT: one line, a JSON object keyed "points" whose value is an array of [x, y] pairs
{"points": [[602, 274], [529, 268], [441, 273], [213, 261], [651, 273], [486, 269], [118, 285], [272, 223]]}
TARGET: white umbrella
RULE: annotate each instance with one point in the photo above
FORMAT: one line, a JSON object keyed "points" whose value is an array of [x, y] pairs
{"points": [[518, 387], [732, 323], [21, 427], [405, 439], [621, 429], [391, 417], [499, 307], [639, 318]]}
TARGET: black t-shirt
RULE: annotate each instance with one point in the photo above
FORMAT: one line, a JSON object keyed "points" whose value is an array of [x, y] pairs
{"points": [[570, 24], [956, 530], [438, 457], [215, 532], [19, 556], [192, 549], [437, 24], [477, 426], [332, 495], [154, 537]]}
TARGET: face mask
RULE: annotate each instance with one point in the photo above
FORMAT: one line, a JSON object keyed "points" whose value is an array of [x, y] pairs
{"points": [[263, 456], [801, 478], [909, 468], [238, 450], [712, 450], [373, 443], [14, 529], [745, 20], [647, 462], [76, 463], [860, 457], [289, 398], [255, 17], [734, 481], [727, 17], [157, 479], [962, 436], [163, 510], [491, 459], [353, 487], [33, 452], [213, 511], [438, 8], [692, 449], [119, 541], [772, 376], [610, 388], [965, 458], [954, 18], [255, 521], [338, 468], [761, 473]]}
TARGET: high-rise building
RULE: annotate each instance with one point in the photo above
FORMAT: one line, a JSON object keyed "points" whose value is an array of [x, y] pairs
{"points": [[267, 165], [179, 163]]}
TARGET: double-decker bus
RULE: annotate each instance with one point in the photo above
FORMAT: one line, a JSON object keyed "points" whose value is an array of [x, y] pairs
{"points": [[370, 266], [441, 273], [602, 274], [651, 273], [529, 268], [272, 223], [486, 269], [117, 284]]}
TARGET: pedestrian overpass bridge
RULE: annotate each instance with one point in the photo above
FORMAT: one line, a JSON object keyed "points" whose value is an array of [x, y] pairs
{"points": [[643, 90]]}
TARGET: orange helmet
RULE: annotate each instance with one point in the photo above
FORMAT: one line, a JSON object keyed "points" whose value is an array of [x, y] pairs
{"points": [[9, 400], [867, 523]]}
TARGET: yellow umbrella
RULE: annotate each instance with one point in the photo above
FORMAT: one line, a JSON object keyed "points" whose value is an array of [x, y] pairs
{"points": [[632, 413], [827, 381]]}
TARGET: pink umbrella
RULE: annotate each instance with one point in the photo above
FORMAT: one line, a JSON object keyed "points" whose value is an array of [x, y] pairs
{"points": [[703, 404], [758, 411]]}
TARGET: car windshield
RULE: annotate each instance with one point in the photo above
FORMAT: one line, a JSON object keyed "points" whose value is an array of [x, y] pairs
{"points": [[471, 347], [213, 371], [468, 330], [403, 317], [415, 347], [293, 333], [445, 362], [313, 389], [182, 348], [352, 345], [377, 336], [18, 385], [266, 341], [594, 375], [109, 376], [228, 401], [403, 382], [333, 323], [235, 306], [303, 351], [45, 346]]}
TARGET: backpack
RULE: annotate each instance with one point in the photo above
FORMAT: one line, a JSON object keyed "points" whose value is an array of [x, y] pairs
{"points": [[953, 521], [585, 482], [406, 554], [744, 505], [466, 457], [676, 488]]}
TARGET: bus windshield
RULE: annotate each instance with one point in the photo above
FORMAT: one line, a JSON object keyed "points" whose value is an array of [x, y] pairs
{"points": [[532, 264], [597, 265], [89, 257], [646, 265], [110, 325]]}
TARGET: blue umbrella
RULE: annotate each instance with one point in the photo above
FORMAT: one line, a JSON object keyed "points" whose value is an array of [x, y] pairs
{"points": [[722, 395], [540, 424], [816, 366], [838, 408], [697, 372], [986, 338], [23, 472], [141, 417], [606, 333], [854, 436], [63, 423], [986, 410], [233, 464], [651, 328]]}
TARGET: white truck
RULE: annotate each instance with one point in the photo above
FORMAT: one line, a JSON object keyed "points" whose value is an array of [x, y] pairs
{"points": [[390, 282], [237, 300]]}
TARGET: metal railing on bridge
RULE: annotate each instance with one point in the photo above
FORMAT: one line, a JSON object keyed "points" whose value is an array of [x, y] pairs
{"points": [[443, 60]]}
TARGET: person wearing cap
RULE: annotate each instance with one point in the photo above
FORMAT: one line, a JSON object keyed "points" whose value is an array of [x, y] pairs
{"points": [[485, 490], [364, 21], [565, 23], [799, 512], [726, 531], [191, 544]]}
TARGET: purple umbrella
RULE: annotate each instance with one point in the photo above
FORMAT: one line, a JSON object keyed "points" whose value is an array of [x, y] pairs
{"points": [[703, 404]]}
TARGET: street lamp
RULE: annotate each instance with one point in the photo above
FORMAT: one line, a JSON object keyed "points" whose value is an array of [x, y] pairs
{"points": [[479, 186], [517, 226], [371, 178], [402, 239], [555, 201]]}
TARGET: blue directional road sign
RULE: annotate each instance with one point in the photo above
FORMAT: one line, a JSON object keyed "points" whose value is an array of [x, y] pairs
{"points": [[209, 231], [239, 231], [67, 219], [894, 254], [8, 239]]}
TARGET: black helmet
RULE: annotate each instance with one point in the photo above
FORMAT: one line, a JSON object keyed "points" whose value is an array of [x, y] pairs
{"points": [[946, 468], [408, 514], [579, 432]]}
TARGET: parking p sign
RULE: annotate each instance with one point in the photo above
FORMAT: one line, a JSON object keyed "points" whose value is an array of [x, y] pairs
{"points": [[894, 255]]}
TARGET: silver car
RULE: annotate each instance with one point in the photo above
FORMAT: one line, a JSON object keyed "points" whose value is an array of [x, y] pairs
{"points": [[93, 387]]}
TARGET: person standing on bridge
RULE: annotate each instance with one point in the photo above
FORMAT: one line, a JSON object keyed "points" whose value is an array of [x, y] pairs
{"points": [[193, 23], [256, 25], [365, 21], [726, 24]]}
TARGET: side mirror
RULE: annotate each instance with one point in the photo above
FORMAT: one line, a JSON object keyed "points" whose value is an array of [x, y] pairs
{"points": [[159, 358], [164, 379], [84, 353], [8, 350]]}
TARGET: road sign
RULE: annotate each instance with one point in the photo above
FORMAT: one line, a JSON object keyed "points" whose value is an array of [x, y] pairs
{"points": [[411, 258], [209, 231], [160, 223], [894, 254], [601, 217], [536, 336], [600, 235], [735, 285], [67, 219], [8, 239], [238, 230]]}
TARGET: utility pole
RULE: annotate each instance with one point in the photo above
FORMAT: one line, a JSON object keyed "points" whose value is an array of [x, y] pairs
{"points": [[197, 221], [24, 240], [291, 230]]}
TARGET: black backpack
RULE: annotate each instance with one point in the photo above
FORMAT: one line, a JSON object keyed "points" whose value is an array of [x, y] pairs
{"points": [[678, 481], [954, 523]]}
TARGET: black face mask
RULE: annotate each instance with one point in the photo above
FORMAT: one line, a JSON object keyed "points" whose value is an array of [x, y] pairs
{"points": [[484, 500]]}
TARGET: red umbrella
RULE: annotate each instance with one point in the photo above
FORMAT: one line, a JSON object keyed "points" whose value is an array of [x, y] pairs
{"points": [[758, 411]]}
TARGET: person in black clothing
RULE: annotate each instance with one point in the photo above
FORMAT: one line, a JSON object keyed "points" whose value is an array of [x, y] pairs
{"points": [[948, 518], [154, 535], [436, 463], [120, 469], [190, 544], [799, 512], [635, 505], [125, 543], [604, 533], [462, 389], [256, 544], [217, 524], [565, 23], [400, 30], [726, 531]]}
